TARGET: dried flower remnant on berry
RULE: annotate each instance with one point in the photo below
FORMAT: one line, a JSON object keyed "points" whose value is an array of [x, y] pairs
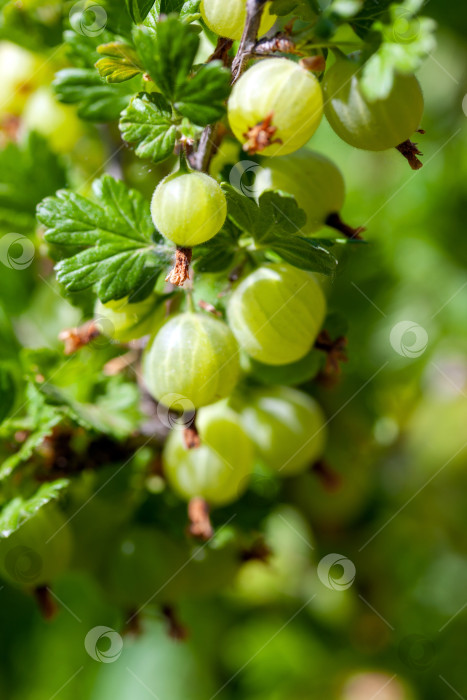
{"points": [[410, 151], [260, 136], [200, 522], [181, 270]]}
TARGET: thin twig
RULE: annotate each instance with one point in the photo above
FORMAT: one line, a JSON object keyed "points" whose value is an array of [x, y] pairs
{"points": [[209, 138], [246, 49], [221, 52], [206, 148]]}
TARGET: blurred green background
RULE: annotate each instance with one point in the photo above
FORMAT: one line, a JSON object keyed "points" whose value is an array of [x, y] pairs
{"points": [[390, 623]]}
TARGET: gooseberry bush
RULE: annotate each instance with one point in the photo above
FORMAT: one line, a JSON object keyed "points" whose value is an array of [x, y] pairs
{"points": [[194, 325]]}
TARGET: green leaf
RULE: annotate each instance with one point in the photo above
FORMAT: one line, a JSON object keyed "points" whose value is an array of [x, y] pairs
{"points": [[121, 62], [139, 9], [39, 423], [117, 235], [189, 11], [168, 56], [216, 259], [7, 391], [303, 253], [97, 101], [29, 171], [279, 214], [275, 223], [81, 49], [371, 11], [113, 411], [116, 412], [118, 19], [147, 121], [167, 52], [168, 6], [201, 99], [9, 345], [219, 252], [275, 214], [241, 210], [152, 19], [19, 510]]}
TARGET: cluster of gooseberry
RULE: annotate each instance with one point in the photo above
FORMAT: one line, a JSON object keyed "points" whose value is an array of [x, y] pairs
{"points": [[275, 312], [195, 359]]}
